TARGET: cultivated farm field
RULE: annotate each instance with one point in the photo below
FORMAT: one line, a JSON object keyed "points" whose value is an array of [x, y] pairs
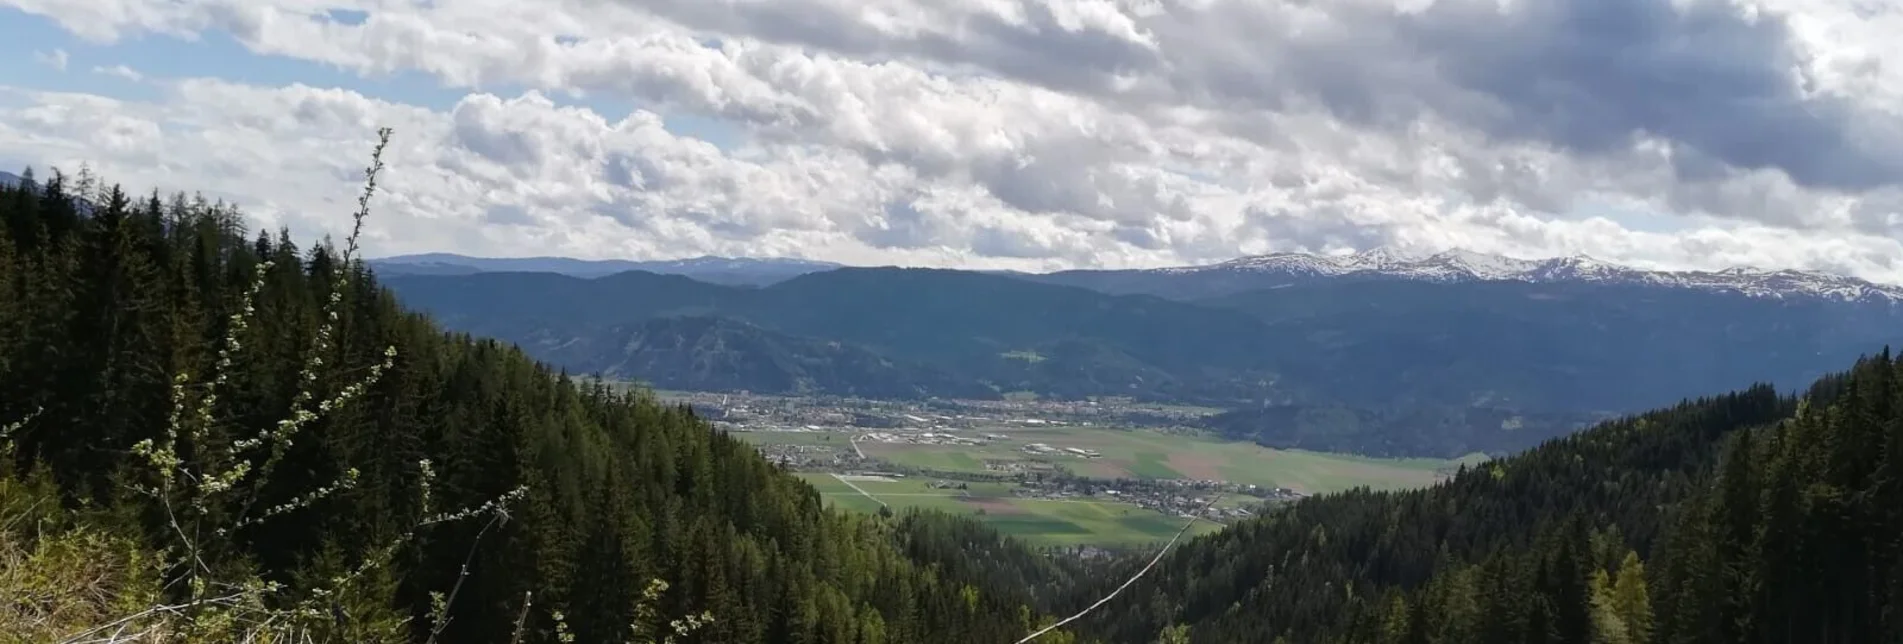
{"points": [[1137, 453], [1043, 522], [1097, 520]]}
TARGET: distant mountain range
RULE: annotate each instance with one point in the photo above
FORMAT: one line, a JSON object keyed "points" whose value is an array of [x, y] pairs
{"points": [[718, 270], [1285, 269], [1509, 362], [1240, 275], [707, 353], [1003, 333]]}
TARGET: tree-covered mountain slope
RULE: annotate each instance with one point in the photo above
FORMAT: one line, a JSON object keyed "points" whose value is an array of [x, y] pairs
{"points": [[1557, 346], [1749, 517], [260, 412], [706, 353], [988, 334]]}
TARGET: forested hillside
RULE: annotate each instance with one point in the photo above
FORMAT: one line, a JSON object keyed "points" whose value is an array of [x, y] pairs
{"points": [[1749, 517], [947, 333], [707, 353], [303, 454]]}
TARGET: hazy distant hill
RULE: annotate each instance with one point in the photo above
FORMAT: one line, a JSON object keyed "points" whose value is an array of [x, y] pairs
{"points": [[702, 353], [1008, 334], [1561, 346], [719, 270], [1397, 431], [1571, 346]]}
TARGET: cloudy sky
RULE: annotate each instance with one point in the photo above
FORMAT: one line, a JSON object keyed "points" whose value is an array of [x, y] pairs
{"points": [[1026, 134]]}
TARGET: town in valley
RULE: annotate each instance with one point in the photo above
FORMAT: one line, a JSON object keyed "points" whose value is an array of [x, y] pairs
{"points": [[1100, 473]]}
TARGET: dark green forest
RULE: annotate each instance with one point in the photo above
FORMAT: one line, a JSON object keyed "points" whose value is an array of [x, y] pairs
{"points": [[1748, 517], [395, 479]]}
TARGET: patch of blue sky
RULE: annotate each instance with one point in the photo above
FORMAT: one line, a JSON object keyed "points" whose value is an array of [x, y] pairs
{"points": [[1633, 217], [218, 55], [724, 134], [25, 38], [1195, 174], [350, 17]]}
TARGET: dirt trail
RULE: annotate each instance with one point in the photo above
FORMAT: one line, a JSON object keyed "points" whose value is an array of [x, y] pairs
{"points": [[861, 490]]}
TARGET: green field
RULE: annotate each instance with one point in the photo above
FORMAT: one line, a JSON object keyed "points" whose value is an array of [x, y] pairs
{"points": [[1044, 522], [839, 494], [1125, 453], [842, 440], [1155, 455]]}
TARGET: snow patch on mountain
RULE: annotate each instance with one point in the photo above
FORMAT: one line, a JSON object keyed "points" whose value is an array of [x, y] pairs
{"points": [[1467, 266]]}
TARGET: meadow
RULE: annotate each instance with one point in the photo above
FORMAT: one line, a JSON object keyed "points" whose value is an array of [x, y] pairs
{"points": [[1126, 453], [1137, 453], [1042, 522]]}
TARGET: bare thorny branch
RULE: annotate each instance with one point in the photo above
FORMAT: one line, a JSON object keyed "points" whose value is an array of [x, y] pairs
{"points": [[441, 607]]}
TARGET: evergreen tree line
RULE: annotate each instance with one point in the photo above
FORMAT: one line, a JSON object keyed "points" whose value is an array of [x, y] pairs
{"points": [[575, 497], [1744, 518]]}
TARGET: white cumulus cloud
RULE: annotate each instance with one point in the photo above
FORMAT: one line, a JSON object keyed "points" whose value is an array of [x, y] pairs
{"points": [[1033, 133], [120, 71]]}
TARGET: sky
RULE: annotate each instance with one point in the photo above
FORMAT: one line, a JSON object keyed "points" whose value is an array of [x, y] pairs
{"points": [[1021, 134]]}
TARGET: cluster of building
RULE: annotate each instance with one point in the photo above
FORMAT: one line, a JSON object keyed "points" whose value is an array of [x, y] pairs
{"points": [[921, 438], [805, 456], [1171, 496], [1041, 448], [1020, 467], [754, 412], [975, 423], [1155, 499]]}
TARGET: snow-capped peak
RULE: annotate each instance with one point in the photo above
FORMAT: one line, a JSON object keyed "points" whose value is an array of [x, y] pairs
{"points": [[1482, 264], [1382, 258], [1459, 265]]}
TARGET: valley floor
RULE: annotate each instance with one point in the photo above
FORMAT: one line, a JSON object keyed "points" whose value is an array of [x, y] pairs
{"points": [[1038, 521], [1049, 475]]}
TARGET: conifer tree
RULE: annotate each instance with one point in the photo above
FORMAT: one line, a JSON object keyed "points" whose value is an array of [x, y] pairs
{"points": [[1630, 601]]}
